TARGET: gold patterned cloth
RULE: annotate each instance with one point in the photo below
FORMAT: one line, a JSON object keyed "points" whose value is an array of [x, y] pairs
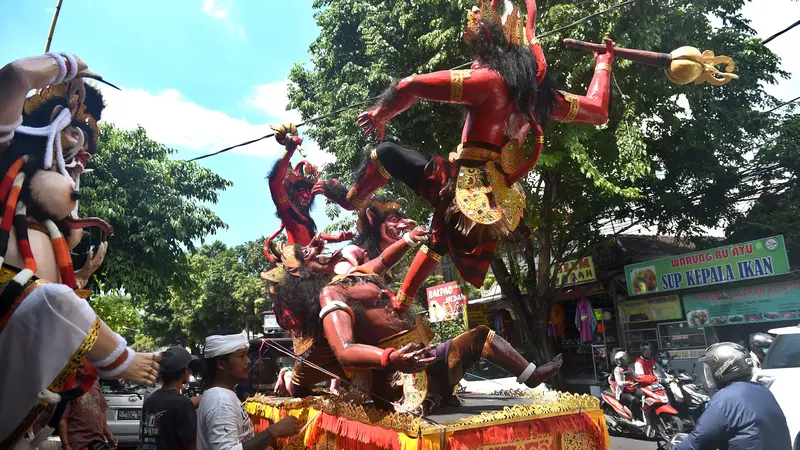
{"points": [[483, 194]]}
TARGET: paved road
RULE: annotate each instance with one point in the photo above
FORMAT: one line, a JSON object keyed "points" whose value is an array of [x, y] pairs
{"points": [[620, 443]]}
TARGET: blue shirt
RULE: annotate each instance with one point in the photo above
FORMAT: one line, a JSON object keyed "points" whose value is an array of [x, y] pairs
{"points": [[742, 416]]}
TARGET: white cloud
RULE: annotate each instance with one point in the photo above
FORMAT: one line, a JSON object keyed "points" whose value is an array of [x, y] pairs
{"points": [[272, 98], [215, 8], [174, 120], [220, 10]]}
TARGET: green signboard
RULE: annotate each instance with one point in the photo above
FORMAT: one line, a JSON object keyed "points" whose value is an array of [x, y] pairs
{"points": [[738, 262], [760, 303]]}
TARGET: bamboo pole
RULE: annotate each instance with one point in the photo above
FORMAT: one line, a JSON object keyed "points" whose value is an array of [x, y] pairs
{"points": [[52, 27]]}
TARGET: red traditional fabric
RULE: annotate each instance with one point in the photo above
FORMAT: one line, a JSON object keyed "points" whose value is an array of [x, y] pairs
{"points": [[499, 434]]}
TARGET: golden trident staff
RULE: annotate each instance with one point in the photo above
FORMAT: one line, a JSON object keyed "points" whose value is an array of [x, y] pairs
{"points": [[683, 66], [52, 27]]}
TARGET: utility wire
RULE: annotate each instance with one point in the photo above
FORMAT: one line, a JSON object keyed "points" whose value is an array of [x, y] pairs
{"points": [[782, 105], [355, 105], [767, 40]]}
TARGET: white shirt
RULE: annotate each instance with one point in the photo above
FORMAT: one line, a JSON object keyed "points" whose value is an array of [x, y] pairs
{"points": [[222, 422]]}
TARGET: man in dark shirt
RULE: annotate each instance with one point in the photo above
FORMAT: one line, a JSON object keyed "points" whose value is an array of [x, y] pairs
{"points": [[83, 424], [743, 415], [169, 420]]}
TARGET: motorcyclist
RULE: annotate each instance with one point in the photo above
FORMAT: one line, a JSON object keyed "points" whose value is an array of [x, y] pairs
{"points": [[627, 391], [759, 346], [645, 364], [742, 415]]}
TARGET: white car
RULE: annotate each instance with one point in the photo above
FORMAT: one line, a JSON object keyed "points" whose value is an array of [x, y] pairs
{"points": [[780, 372]]}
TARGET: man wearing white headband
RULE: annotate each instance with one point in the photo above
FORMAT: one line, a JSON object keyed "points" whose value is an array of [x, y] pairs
{"points": [[222, 423]]}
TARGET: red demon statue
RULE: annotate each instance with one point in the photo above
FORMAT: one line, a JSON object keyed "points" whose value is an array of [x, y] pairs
{"points": [[474, 195]]}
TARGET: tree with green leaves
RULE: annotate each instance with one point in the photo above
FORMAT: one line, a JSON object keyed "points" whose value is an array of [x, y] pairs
{"points": [[670, 155], [222, 293], [157, 208], [774, 192], [118, 312]]}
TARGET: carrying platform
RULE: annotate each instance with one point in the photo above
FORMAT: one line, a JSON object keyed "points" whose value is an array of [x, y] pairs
{"points": [[531, 421]]}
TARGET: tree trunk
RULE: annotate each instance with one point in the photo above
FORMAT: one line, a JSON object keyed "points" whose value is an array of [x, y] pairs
{"points": [[533, 316], [513, 294]]}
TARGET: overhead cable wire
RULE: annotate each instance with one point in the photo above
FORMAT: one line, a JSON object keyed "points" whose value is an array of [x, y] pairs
{"points": [[767, 40], [354, 105]]}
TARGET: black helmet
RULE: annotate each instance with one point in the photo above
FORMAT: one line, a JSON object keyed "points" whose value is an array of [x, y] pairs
{"points": [[761, 341], [726, 362]]}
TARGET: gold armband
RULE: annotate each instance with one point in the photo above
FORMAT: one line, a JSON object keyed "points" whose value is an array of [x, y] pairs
{"points": [[432, 254], [457, 78], [574, 107], [384, 173]]}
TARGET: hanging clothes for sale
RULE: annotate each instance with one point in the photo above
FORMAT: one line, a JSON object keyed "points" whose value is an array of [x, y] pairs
{"points": [[585, 320], [557, 321], [598, 316]]}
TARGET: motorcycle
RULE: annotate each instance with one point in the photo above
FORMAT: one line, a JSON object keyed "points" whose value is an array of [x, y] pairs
{"points": [[689, 398], [660, 419]]}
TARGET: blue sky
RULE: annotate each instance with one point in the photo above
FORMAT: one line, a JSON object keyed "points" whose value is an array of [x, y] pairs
{"points": [[201, 75]]}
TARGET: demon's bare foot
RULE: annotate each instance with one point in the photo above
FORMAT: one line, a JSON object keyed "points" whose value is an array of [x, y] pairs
{"points": [[143, 369], [544, 372]]}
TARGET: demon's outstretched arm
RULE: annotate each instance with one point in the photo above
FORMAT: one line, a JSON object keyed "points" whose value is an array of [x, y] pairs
{"points": [[591, 109], [468, 87], [338, 321], [21, 76], [278, 174]]}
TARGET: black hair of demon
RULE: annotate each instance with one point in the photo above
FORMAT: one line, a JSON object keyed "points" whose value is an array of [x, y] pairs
{"points": [[300, 214], [299, 295], [517, 65]]}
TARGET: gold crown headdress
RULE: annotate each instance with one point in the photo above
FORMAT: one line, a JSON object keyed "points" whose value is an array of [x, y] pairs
{"points": [[383, 207], [513, 26], [76, 106]]}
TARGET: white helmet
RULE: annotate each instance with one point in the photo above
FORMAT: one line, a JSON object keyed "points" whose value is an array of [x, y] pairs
{"points": [[622, 359]]}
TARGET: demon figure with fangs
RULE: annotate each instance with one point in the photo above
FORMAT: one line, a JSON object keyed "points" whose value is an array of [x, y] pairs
{"points": [[474, 193], [291, 193], [382, 351], [384, 233], [47, 329]]}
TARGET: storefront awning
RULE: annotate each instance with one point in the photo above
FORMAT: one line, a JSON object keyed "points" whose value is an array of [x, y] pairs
{"points": [[581, 290]]}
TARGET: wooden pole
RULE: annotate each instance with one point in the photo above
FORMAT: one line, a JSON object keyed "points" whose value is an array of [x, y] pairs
{"points": [[52, 27]]}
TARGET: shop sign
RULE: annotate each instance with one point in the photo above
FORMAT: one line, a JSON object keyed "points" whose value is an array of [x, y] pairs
{"points": [[481, 314], [760, 303], [446, 302], [651, 309], [738, 262], [583, 272]]}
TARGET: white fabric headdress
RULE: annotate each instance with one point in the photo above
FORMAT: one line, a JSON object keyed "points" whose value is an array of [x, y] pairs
{"points": [[219, 345]]}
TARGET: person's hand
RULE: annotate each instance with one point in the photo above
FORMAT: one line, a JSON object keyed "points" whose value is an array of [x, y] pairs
{"points": [[293, 142], [367, 121], [93, 262], [113, 441], [319, 187], [608, 56], [410, 359], [345, 236], [288, 426], [419, 235]]}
